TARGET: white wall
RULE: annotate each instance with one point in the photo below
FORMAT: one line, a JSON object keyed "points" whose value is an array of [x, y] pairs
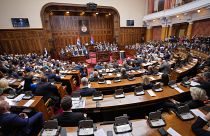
{"points": [[128, 10]]}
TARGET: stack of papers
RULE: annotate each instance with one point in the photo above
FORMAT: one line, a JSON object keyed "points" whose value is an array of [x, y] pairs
{"points": [[78, 104], [18, 98]]}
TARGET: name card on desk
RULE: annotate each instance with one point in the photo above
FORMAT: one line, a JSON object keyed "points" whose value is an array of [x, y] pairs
{"points": [[62, 77], [172, 132], [151, 93], [108, 82], [186, 68], [197, 112], [179, 89], [18, 98], [100, 132], [28, 104], [118, 75], [179, 70], [152, 78], [110, 74]]}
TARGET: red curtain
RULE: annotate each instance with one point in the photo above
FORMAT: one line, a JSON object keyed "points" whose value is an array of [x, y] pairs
{"points": [[150, 6]]}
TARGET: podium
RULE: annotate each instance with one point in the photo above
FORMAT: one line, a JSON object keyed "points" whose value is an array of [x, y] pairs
{"points": [[103, 56]]}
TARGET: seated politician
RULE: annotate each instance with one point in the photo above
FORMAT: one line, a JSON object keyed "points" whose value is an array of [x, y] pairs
{"points": [[204, 81], [85, 90], [68, 118], [95, 77], [124, 75], [198, 99], [146, 83], [19, 125], [47, 90], [198, 125]]}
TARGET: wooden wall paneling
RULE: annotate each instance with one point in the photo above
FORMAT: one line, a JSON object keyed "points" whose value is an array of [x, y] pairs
{"points": [[201, 27], [131, 35], [23, 41], [156, 33]]}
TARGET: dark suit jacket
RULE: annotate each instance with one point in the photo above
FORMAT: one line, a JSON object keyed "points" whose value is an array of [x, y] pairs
{"points": [[68, 119], [13, 125], [47, 90], [205, 86], [197, 127], [93, 79], [87, 91], [125, 76]]}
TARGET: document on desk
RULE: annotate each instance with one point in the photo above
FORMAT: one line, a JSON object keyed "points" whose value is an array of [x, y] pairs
{"points": [[152, 78], [197, 112], [179, 89], [12, 81], [100, 132], [22, 83], [118, 75], [108, 82], [79, 104], [132, 71], [18, 98], [110, 74], [186, 68], [151, 93], [172, 132], [28, 103], [179, 70]]}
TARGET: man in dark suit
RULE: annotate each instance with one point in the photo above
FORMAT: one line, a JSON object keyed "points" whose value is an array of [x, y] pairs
{"points": [[19, 125], [69, 118], [197, 127], [165, 67], [46, 89], [204, 81], [86, 90], [95, 77]]}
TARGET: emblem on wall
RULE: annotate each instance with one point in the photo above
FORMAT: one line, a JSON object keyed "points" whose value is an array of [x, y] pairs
{"points": [[84, 26]]}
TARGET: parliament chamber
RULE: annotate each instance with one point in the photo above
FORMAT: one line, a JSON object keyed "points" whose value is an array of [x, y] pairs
{"points": [[105, 68]]}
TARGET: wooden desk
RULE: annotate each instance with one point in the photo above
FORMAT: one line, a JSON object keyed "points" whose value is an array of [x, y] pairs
{"points": [[130, 100], [37, 105], [141, 127], [61, 91], [103, 56], [136, 73], [124, 82], [69, 80], [74, 73]]}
